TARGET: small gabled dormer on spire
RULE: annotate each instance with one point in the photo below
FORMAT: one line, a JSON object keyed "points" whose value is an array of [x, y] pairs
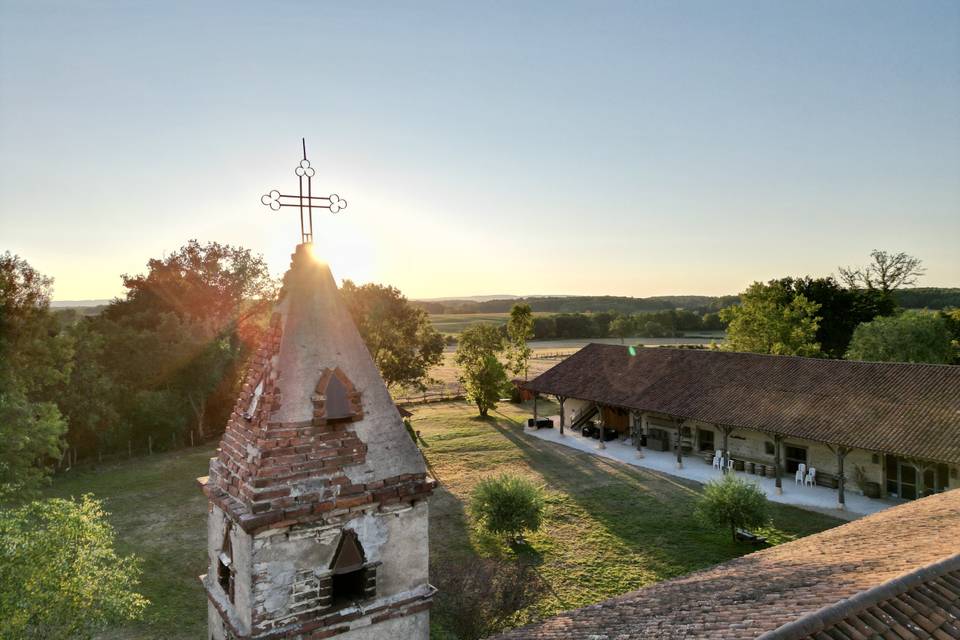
{"points": [[336, 399]]}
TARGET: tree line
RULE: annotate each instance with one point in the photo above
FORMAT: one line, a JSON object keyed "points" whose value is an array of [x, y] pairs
{"points": [[162, 365], [581, 304], [856, 317], [907, 298], [613, 324]]}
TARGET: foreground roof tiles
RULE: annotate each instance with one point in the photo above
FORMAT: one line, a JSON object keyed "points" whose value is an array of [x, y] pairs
{"points": [[910, 410], [892, 575]]}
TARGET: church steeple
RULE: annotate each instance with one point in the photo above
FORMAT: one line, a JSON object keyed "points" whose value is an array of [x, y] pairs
{"points": [[317, 488]]}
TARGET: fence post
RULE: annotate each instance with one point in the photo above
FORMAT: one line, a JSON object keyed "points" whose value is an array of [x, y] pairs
{"points": [[129, 449], [150, 445], [191, 437]]}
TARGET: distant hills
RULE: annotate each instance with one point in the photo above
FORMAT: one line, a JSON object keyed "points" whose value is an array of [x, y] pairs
{"points": [[917, 298], [62, 304]]}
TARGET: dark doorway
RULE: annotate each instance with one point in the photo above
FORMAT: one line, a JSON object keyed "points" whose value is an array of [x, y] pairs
{"points": [[705, 440], [795, 456]]}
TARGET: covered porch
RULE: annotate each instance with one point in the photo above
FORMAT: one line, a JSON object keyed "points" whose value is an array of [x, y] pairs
{"points": [[699, 467]]}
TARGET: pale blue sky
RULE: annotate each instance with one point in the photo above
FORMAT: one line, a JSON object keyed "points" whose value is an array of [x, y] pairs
{"points": [[636, 148]]}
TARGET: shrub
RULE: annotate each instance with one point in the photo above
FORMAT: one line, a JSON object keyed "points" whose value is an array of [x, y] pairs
{"points": [[507, 505], [732, 502]]}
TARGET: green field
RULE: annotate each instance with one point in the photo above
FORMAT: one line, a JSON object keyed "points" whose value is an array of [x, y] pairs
{"points": [[455, 323], [610, 527]]}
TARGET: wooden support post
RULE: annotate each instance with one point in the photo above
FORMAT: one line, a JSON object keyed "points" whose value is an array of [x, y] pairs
{"points": [[603, 440], [841, 500], [726, 448], [561, 399], [776, 464], [129, 449], [191, 438], [679, 448], [150, 445], [919, 468], [640, 434], [535, 396]]}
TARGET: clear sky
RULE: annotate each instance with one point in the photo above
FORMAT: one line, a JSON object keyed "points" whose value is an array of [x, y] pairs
{"points": [[637, 148]]}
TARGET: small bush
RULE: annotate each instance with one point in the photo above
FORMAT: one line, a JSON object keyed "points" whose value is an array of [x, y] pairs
{"points": [[732, 502], [507, 505]]}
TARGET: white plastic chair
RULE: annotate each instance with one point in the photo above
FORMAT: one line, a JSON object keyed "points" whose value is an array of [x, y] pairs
{"points": [[718, 459], [811, 477], [799, 477], [729, 464], [802, 468]]}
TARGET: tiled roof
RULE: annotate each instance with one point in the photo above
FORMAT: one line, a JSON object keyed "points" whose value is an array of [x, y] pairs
{"points": [[895, 570], [911, 410], [923, 604]]}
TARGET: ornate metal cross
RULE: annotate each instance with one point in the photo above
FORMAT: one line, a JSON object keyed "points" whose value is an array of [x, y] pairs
{"points": [[307, 203]]}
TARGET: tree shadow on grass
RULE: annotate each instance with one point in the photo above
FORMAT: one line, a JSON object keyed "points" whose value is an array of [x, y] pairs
{"points": [[648, 513]]}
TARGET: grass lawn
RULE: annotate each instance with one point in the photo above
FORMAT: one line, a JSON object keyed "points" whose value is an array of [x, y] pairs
{"points": [[609, 528]]}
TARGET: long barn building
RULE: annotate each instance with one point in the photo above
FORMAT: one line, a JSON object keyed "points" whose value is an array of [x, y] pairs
{"points": [[890, 426]]}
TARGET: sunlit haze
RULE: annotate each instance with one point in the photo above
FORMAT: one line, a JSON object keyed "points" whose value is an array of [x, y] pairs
{"points": [[485, 148]]}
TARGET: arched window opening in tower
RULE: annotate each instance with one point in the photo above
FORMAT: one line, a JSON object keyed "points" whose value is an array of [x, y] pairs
{"points": [[352, 580]]}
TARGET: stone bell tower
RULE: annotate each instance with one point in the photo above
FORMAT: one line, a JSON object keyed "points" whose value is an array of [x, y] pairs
{"points": [[317, 522]]}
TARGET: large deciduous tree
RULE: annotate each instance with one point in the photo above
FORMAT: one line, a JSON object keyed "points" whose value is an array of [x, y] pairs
{"points": [[218, 285], [35, 358], [887, 272], [178, 343], [622, 327], [480, 370], [841, 309], [771, 319], [400, 337], [519, 331], [912, 336]]}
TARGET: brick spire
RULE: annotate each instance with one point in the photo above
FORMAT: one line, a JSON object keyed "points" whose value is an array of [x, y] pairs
{"points": [[314, 435]]}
